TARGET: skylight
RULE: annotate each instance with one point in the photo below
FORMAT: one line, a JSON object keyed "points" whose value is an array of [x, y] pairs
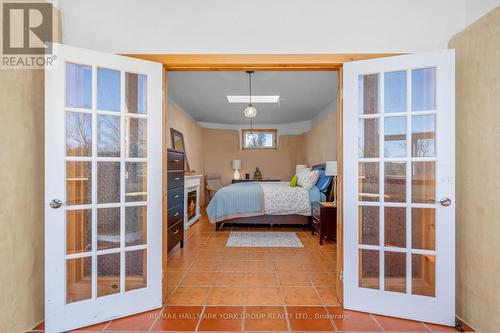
{"points": [[255, 99]]}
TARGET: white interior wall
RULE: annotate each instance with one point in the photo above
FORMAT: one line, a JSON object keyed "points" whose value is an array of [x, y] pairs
{"points": [[262, 26], [474, 9]]}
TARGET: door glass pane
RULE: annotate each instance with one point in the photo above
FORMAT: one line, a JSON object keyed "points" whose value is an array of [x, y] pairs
{"points": [[423, 275], [395, 137], [108, 136], [368, 94], [108, 228], [423, 182], [423, 89], [395, 271], [423, 129], [368, 182], [78, 86], [135, 182], [395, 226], [136, 93], [395, 92], [136, 137], [368, 225], [135, 269], [395, 181], [108, 274], [368, 138], [369, 269], [78, 279], [108, 89], [78, 182], [78, 134], [135, 225], [78, 231], [108, 182], [423, 228]]}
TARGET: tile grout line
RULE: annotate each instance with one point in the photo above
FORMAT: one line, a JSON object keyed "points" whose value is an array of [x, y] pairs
{"points": [[243, 319], [323, 301], [425, 324], [198, 323], [180, 280], [330, 318], [106, 326], [282, 294], [156, 319], [377, 322]]}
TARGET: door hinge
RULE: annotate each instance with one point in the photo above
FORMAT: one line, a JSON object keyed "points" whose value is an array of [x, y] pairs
{"points": [[341, 275]]}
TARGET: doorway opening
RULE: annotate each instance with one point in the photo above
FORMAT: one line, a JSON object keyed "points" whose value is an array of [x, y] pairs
{"points": [[296, 127]]}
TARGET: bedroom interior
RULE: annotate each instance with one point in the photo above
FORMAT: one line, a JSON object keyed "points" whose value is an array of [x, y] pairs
{"points": [[267, 251]]}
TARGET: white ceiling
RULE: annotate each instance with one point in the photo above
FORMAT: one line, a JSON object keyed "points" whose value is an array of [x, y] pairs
{"points": [[204, 95]]}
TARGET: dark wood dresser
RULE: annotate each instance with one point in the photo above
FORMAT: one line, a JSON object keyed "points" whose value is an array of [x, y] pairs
{"points": [[175, 198], [324, 220]]}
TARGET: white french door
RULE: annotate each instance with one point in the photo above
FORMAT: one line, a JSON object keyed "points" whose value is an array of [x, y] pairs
{"points": [[399, 186], [103, 120]]}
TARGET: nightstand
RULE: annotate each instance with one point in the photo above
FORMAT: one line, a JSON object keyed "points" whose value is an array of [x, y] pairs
{"points": [[324, 220]]}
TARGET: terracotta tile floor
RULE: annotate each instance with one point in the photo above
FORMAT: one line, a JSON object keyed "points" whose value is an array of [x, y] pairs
{"points": [[215, 288]]}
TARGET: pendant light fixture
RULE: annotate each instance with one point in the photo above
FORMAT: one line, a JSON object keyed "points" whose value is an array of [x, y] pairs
{"points": [[250, 110]]}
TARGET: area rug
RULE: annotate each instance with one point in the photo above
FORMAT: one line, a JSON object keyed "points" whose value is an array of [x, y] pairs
{"points": [[263, 239]]}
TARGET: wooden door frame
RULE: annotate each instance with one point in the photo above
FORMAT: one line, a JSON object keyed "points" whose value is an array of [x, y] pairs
{"points": [[260, 62]]}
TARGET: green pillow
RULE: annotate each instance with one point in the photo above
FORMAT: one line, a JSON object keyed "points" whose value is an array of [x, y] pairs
{"points": [[293, 182]]}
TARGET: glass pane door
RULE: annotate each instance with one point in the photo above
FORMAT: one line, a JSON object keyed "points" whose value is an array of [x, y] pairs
{"points": [[103, 167], [399, 140], [106, 182], [388, 259]]}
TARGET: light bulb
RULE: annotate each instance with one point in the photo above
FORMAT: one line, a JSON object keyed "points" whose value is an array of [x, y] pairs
{"points": [[250, 111]]}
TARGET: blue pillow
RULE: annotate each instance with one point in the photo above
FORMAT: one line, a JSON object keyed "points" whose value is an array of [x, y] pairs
{"points": [[323, 181]]}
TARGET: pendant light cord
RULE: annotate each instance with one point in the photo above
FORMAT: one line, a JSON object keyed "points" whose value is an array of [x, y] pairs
{"points": [[250, 86], [250, 90]]}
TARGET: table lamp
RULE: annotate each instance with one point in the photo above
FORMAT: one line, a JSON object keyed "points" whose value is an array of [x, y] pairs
{"points": [[236, 167], [299, 168], [332, 170]]}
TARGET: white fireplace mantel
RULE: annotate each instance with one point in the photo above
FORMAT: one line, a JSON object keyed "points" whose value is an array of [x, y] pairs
{"points": [[191, 183]]}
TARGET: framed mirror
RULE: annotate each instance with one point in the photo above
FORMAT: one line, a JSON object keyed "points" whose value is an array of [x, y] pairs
{"points": [[179, 145]]}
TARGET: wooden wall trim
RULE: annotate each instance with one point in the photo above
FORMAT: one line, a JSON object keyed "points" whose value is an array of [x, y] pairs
{"points": [[340, 188], [164, 221], [218, 62]]}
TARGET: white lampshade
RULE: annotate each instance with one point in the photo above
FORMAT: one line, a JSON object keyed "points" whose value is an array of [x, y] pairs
{"points": [[331, 168], [236, 164], [250, 112], [299, 168]]}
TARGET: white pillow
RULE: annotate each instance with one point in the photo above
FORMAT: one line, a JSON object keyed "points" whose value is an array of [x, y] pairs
{"points": [[308, 179]]}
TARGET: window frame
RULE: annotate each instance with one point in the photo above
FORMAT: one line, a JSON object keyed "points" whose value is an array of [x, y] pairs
{"points": [[273, 131]]}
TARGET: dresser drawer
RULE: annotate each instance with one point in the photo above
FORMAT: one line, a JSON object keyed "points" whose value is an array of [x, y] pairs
{"points": [[175, 161], [175, 179], [175, 196], [175, 235], [175, 214]]}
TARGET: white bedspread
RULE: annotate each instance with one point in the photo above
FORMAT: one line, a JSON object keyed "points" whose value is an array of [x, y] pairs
{"points": [[281, 199]]}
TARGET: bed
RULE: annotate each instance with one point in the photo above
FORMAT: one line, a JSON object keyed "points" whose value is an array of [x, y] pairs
{"points": [[267, 202]]}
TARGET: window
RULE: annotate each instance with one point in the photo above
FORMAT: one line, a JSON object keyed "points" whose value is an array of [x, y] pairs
{"points": [[259, 139]]}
